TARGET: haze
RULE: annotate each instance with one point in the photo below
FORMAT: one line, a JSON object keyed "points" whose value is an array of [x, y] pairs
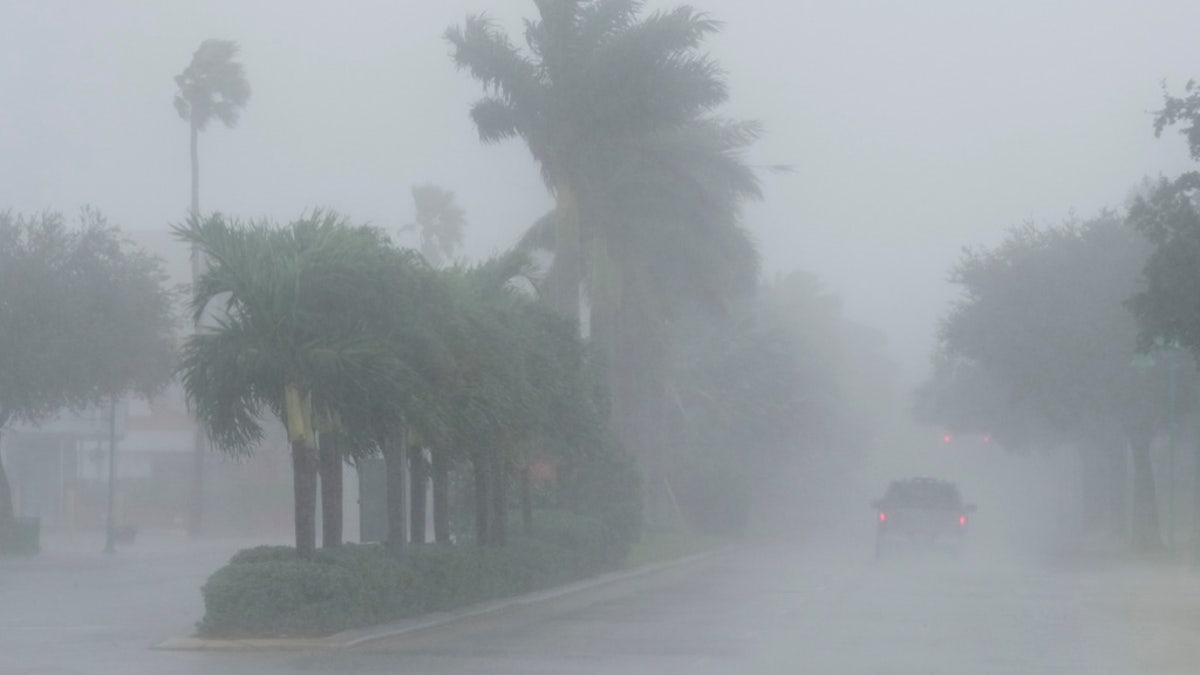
{"points": [[896, 134], [914, 128]]}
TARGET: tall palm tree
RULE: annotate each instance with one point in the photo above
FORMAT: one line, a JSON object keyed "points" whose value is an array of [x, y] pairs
{"points": [[439, 221], [617, 108], [597, 72], [212, 85], [292, 335]]}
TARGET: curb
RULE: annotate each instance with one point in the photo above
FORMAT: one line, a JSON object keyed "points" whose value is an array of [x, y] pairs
{"points": [[357, 637]]}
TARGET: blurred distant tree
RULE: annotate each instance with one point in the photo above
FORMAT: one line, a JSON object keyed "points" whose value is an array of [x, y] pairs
{"points": [[1044, 315], [84, 317], [213, 85], [755, 394], [439, 221]]}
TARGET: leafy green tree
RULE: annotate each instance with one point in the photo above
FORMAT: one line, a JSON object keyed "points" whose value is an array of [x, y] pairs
{"points": [[1045, 316], [290, 305], [84, 318]]}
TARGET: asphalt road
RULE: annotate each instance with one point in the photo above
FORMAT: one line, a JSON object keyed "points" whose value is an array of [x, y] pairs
{"points": [[761, 609]]}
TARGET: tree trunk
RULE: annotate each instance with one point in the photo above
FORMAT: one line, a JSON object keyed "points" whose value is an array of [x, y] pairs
{"points": [[195, 522], [304, 488], [195, 147], [1147, 536], [441, 497], [393, 459], [1118, 502], [8, 516], [482, 501], [196, 500], [420, 487], [565, 276], [499, 495], [331, 489], [527, 498]]}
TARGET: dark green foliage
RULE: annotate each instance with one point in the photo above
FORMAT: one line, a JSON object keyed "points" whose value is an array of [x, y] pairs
{"points": [[268, 591], [607, 487], [1168, 307]]}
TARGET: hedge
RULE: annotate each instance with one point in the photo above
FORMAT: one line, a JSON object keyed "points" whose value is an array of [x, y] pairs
{"points": [[268, 591]]}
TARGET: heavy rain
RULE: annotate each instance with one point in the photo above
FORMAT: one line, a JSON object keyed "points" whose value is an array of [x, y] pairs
{"points": [[599, 336]]}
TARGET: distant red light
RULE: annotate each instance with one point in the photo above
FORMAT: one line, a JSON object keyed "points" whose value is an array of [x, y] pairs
{"points": [[962, 520], [947, 438], [882, 516], [987, 439]]}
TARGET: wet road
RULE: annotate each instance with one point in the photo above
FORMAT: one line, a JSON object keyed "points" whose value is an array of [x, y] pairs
{"points": [[764, 609]]}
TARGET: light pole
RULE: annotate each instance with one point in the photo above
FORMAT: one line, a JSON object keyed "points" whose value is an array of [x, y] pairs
{"points": [[110, 530]]}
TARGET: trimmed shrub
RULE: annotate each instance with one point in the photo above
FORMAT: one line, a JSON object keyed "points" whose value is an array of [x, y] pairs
{"points": [[267, 591]]}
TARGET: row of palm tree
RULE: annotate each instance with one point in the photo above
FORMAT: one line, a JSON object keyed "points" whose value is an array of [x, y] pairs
{"points": [[619, 109], [360, 347]]}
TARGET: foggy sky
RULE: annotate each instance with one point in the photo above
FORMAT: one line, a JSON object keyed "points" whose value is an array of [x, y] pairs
{"points": [[915, 128]]}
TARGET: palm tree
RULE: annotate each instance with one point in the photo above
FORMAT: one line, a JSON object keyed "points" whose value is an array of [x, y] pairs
{"points": [[213, 85], [599, 78], [617, 108], [292, 335], [440, 221]]}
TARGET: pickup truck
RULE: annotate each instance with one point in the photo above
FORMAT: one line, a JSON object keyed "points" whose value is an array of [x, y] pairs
{"points": [[922, 511]]}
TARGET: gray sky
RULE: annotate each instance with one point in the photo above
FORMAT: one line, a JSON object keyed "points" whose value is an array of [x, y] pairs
{"points": [[915, 127]]}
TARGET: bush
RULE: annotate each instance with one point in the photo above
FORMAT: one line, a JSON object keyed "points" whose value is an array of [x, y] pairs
{"points": [[268, 591]]}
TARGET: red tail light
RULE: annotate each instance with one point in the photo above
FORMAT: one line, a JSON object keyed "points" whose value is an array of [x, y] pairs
{"points": [[962, 520], [882, 516]]}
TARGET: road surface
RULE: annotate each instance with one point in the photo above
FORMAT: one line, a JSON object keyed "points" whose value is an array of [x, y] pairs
{"points": [[760, 609]]}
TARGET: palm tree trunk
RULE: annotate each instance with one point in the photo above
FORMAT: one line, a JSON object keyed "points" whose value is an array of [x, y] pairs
{"points": [[304, 488], [1147, 536], [441, 497], [393, 459], [566, 273], [8, 516], [499, 495], [527, 498], [195, 143], [420, 479], [482, 501], [331, 490], [196, 501]]}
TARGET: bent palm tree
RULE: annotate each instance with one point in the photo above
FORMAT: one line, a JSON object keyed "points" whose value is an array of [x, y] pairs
{"points": [[597, 73], [213, 85]]}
